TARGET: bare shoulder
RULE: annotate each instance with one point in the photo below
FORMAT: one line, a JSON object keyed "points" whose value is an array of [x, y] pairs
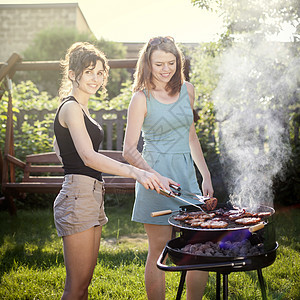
{"points": [[139, 96], [191, 92], [69, 112], [190, 87], [71, 106], [138, 100]]}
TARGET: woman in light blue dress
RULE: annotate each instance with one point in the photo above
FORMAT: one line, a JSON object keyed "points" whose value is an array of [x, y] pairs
{"points": [[162, 107]]}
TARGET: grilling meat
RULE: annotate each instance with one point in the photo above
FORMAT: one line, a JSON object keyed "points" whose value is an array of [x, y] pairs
{"points": [[214, 224], [210, 204], [236, 216], [221, 218], [247, 221], [194, 215], [182, 217], [264, 214], [197, 223], [203, 220], [195, 220]]}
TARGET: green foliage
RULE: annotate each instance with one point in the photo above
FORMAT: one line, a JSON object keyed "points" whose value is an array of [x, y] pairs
{"points": [[207, 4], [204, 77], [117, 77], [119, 102], [262, 17], [33, 136], [123, 99], [248, 24], [27, 96], [52, 43], [288, 187], [49, 44]]}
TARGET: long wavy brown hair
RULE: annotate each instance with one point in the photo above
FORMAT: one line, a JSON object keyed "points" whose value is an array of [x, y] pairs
{"points": [[79, 57], [143, 78]]}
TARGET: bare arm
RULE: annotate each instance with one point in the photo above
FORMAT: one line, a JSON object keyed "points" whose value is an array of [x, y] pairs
{"points": [[137, 111], [197, 153], [71, 116], [136, 114]]}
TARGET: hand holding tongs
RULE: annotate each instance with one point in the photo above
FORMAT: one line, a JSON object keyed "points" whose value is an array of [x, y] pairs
{"points": [[177, 193], [174, 195]]}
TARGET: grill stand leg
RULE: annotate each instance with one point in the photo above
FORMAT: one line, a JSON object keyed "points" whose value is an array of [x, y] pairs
{"points": [[262, 284], [181, 284], [225, 286], [218, 286]]}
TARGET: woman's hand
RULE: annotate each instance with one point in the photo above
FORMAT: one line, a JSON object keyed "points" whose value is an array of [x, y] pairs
{"points": [[153, 181], [148, 179], [207, 188], [166, 182]]}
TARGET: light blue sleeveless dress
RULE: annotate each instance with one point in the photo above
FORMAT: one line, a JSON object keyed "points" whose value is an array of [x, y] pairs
{"points": [[166, 149]]}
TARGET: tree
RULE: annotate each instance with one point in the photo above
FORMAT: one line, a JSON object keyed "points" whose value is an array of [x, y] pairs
{"points": [[256, 97], [116, 76], [265, 17]]}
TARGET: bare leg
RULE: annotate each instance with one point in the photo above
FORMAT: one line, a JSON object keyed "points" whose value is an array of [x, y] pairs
{"points": [[80, 255], [195, 284], [158, 236]]}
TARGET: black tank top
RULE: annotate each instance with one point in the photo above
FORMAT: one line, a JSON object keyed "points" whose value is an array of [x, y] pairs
{"points": [[72, 163]]}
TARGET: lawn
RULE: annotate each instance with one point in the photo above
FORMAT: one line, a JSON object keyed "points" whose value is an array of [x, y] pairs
{"points": [[31, 260]]}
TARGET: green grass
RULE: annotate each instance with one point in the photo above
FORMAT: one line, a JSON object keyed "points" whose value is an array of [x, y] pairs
{"points": [[31, 260]]}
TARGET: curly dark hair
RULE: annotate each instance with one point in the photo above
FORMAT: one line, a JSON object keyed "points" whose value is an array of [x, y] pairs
{"points": [[80, 56]]}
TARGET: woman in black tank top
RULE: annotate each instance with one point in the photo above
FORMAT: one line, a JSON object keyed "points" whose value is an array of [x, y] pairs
{"points": [[78, 209]]}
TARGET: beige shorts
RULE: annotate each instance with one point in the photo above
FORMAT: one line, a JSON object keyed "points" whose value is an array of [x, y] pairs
{"points": [[79, 205]]}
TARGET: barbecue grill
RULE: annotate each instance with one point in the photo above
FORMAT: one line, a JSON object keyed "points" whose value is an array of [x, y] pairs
{"points": [[222, 265]]}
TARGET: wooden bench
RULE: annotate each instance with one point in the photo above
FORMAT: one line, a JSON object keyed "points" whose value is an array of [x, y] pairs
{"points": [[43, 173]]}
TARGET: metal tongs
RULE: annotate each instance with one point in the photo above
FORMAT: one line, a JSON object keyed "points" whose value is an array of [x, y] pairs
{"points": [[177, 193], [180, 192]]}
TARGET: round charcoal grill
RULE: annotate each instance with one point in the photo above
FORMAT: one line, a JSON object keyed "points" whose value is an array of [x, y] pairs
{"points": [[222, 265]]}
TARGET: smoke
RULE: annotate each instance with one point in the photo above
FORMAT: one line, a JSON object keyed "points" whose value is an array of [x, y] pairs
{"points": [[258, 80]]}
